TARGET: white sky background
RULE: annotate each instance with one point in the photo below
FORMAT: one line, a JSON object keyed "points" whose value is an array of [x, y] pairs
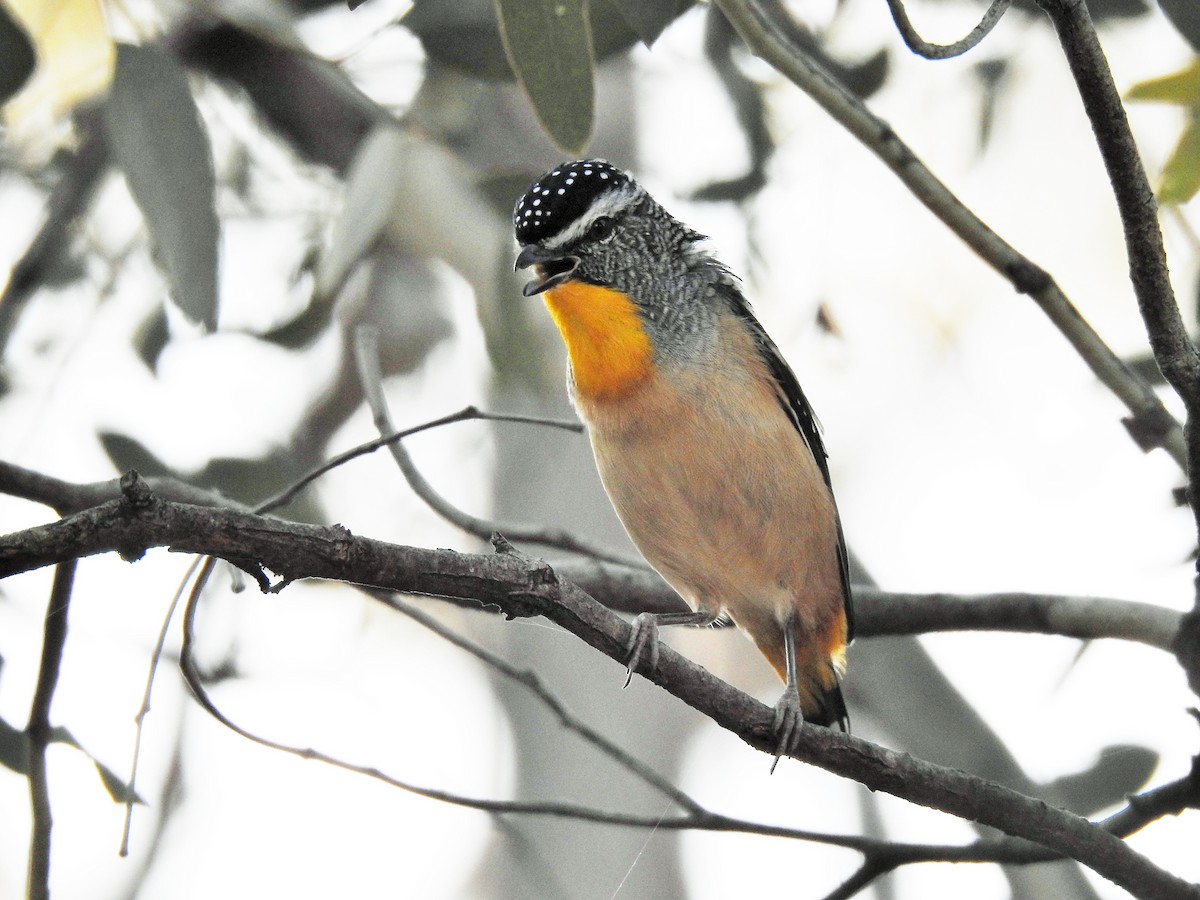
{"points": [[972, 451]]}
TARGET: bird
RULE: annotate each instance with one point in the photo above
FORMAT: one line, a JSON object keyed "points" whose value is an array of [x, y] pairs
{"points": [[704, 441]]}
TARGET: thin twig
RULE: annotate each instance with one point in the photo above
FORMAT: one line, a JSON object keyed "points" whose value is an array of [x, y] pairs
{"points": [[366, 352], [529, 679], [144, 709], [391, 438], [922, 47], [770, 32], [39, 730]]}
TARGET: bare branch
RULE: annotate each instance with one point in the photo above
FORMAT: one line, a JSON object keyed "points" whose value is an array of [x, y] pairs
{"points": [[40, 731], [878, 612], [921, 47], [1174, 351], [140, 520], [630, 590], [770, 33], [367, 357]]}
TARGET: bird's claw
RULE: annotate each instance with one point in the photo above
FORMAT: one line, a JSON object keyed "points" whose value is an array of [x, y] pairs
{"points": [[642, 646], [789, 719]]}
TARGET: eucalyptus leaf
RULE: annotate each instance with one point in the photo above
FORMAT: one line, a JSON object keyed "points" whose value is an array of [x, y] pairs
{"points": [[548, 44], [159, 142], [371, 193]]}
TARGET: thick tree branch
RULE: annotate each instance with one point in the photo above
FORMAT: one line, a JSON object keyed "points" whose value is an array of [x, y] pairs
{"points": [[140, 520], [629, 590], [770, 33]]}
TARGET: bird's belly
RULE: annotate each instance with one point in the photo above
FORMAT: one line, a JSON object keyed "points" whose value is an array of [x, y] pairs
{"points": [[727, 505]]}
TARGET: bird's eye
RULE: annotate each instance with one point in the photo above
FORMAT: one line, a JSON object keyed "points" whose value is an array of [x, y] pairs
{"points": [[602, 228]]}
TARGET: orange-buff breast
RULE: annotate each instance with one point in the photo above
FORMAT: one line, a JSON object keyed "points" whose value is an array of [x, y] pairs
{"points": [[610, 352]]}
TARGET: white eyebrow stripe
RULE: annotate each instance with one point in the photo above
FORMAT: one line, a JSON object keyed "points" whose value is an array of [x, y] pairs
{"points": [[610, 203]]}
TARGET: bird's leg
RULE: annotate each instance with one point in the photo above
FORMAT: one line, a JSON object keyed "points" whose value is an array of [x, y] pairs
{"points": [[789, 717], [643, 641]]}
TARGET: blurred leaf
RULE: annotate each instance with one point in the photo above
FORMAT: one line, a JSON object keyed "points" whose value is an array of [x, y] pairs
{"points": [[991, 75], [461, 34], [158, 140], [405, 301], [117, 789], [1181, 88], [1181, 172], [252, 480], [126, 454], [372, 185], [74, 64], [14, 755], [866, 77], [465, 34], [549, 47], [1185, 16], [17, 57], [14, 749], [650, 18], [150, 338], [1121, 770], [303, 330]]}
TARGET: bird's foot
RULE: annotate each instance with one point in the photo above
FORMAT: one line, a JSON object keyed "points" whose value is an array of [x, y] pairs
{"points": [[789, 719], [642, 646]]}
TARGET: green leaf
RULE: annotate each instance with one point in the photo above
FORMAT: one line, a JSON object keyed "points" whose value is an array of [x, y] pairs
{"points": [[158, 140], [372, 187], [17, 57], [1181, 172], [549, 47], [650, 18], [1181, 88]]}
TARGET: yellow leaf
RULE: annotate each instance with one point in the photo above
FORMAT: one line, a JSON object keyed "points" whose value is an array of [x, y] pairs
{"points": [[1181, 173], [1181, 88], [75, 58]]}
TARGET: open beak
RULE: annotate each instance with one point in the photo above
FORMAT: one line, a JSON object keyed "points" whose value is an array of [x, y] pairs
{"points": [[550, 268]]}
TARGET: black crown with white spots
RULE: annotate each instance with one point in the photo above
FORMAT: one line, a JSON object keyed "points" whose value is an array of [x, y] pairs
{"points": [[562, 195]]}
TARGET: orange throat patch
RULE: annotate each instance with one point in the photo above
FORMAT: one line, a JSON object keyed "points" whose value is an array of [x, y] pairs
{"points": [[610, 352]]}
